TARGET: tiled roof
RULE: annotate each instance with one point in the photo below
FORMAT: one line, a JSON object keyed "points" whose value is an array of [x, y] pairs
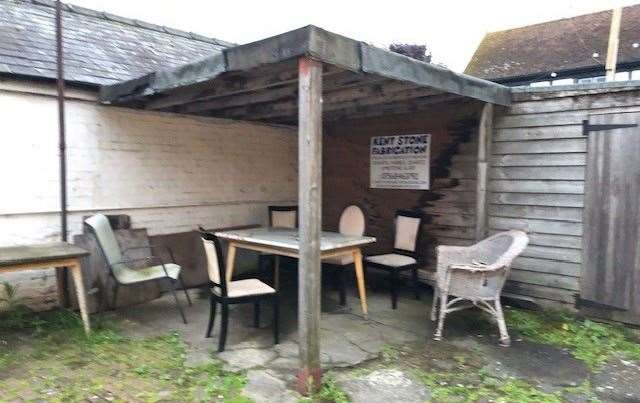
{"points": [[555, 46], [99, 48]]}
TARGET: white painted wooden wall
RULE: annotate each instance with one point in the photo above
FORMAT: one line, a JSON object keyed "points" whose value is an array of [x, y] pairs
{"points": [[170, 173]]}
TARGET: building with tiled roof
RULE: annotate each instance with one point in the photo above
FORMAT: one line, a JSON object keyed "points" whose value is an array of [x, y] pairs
{"points": [[565, 51], [99, 48]]}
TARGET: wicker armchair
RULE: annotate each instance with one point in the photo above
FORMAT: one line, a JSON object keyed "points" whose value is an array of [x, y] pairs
{"points": [[476, 274]]}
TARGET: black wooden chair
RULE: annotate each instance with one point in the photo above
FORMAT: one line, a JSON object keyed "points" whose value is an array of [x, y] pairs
{"points": [[279, 217], [234, 292], [403, 257]]}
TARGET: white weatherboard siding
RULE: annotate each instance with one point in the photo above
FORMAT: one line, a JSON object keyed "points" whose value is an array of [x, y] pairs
{"points": [[170, 173]]}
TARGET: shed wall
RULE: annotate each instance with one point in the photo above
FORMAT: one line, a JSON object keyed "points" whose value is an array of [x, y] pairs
{"points": [[536, 183], [170, 173], [448, 206]]}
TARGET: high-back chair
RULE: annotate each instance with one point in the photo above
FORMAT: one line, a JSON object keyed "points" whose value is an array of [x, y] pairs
{"points": [[476, 274], [226, 293], [283, 216], [404, 256], [279, 217], [120, 267], [352, 222]]}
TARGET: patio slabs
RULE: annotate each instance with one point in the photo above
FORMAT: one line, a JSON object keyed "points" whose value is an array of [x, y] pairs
{"points": [[144, 353]]}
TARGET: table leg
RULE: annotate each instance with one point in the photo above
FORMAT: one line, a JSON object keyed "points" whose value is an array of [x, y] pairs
{"points": [[231, 260], [362, 292], [76, 272], [276, 272]]}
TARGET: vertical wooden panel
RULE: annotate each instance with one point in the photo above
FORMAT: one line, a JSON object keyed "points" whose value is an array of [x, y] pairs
{"points": [[310, 199], [484, 151], [612, 214]]}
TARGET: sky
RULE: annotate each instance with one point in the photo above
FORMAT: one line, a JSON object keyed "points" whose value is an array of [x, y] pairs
{"points": [[451, 29]]}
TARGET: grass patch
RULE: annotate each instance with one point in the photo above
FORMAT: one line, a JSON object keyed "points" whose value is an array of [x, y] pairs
{"points": [[594, 343], [48, 357], [330, 392], [461, 387]]}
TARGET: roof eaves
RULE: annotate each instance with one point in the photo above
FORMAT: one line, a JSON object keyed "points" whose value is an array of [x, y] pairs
{"points": [[317, 43]]}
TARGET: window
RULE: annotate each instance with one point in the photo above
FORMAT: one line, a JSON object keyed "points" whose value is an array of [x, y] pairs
{"points": [[540, 84], [563, 81], [621, 76], [588, 80]]}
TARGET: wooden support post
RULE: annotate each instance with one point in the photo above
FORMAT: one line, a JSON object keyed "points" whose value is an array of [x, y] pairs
{"points": [[614, 42], [310, 219], [485, 131]]}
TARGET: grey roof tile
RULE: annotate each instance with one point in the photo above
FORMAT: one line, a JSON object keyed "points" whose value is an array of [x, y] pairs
{"points": [[99, 48]]}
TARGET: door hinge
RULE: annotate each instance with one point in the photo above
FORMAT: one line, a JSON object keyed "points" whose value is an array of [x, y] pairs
{"points": [[588, 128]]}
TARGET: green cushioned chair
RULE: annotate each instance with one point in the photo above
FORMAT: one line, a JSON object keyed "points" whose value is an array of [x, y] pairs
{"points": [[119, 266]]}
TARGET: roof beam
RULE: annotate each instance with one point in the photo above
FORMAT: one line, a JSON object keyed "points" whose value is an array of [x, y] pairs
{"points": [[358, 97], [333, 78]]}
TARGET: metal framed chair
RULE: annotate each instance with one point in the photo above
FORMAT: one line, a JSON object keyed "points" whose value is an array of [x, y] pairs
{"points": [[279, 217], [352, 222], [476, 274], [234, 292], [404, 256], [120, 268]]}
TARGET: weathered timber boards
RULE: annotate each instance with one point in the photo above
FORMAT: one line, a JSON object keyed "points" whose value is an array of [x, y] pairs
{"points": [[538, 172], [558, 160], [537, 186], [554, 253], [536, 226], [454, 220], [537, 291], [523, 94], [571, 214], [577, 102], [577, 145], [612, 215], [443, 207], [539, 119], [545, 279], [451, 232], [547, 265], [556, 118], [533, 199], [537, 182], [539, 133]]}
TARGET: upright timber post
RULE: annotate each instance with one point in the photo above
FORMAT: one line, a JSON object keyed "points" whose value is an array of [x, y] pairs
{"points": [[310, 200], [614, 43], [485, 131]]}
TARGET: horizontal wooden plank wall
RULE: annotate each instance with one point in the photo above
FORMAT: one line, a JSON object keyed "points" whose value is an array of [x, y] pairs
{"points": [[536, 183]]}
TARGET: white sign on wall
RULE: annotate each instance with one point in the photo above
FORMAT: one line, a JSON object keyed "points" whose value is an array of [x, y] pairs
{"points": [[400, 162]]}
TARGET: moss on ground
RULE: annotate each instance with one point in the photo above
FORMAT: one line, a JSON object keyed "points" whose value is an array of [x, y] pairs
{"points": [[455, 387], [48, 357], [594, 343]]}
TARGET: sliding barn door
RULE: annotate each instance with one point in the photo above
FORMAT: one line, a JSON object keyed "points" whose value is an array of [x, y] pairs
{"points": [[611, 260]]}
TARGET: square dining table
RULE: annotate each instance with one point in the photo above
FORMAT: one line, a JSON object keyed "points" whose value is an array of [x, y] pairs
{"points": [[285, 242]]}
